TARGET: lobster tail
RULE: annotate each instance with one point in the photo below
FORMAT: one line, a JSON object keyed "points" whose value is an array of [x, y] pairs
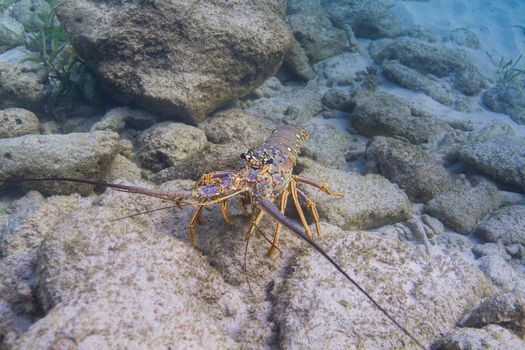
{"points": [[289, 140]]}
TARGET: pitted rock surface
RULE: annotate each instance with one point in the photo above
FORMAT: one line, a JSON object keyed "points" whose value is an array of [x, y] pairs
{"points": [[178, 59]]}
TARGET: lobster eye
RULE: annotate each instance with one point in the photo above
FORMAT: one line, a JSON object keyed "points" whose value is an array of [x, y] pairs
{"points": [[243, 156], [269, 161]]}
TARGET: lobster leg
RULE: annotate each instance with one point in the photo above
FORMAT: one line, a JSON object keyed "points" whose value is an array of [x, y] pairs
{"points": [[191, 227], [313, 209], [284, 200], [224, 210], [254, 224], [272, 210], [323, 187], [216, 200], [293, 191]]}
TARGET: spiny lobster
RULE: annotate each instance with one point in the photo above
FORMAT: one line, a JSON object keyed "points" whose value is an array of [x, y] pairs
{"points": [[265, 176]]}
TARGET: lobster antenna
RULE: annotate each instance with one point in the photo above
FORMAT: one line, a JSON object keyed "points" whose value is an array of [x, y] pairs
{"points": [[271, 209], [245, 268], [124, 188], [144, 212]]}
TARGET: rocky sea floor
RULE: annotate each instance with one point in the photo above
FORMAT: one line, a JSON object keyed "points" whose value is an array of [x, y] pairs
{"points": [[427, 145]]}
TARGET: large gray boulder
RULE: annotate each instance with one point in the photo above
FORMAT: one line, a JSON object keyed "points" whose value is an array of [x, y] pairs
{"points": [[369, 201], [383, 114], [409, 284], [124, 283], [412, 79], [429, 58], [489, 337], [464, 205], [408, 166], [312, 28], [368, 19], [506, 225], [11, 33], [22, 83], [178, 59], [78, 155], [166, 144], [17, 122], [508, 99], [501, 158]]}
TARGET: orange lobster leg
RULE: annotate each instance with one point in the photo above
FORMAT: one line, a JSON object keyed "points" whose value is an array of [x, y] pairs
{"points": [[293, 191], [254, 224], [191, 227], [313, 209], [224, 210], [323, 187]]}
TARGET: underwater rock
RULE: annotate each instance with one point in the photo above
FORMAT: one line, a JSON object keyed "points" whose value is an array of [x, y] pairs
{"points": [[409, 284], [428, 58], [498, 270], [489, 337], [212, 158], [489, 131], [77, 155], [123, 169], [270, 88], [501, 158], [369, 201], [464, 205], [294, 105], [454, 242], [341, 70], [22, 84], [297, 62], [463, 37], [433, 224], [368, 19], [11, 33], [119, 118], [383, 114], [507, 99], [28, 12], [178, 59], [339, 99], [447, 148], [421, 33], [412, 79], [17, 122], [168, 143], [32, 219], [316, 34], [327, 144], [409, 167], [236, 126], [506, 225], [504, 309], [230, 133], [488, 249], [92, 272]]}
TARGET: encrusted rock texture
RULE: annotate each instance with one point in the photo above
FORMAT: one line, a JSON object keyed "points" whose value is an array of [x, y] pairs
{"points": [[193, 57]]}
